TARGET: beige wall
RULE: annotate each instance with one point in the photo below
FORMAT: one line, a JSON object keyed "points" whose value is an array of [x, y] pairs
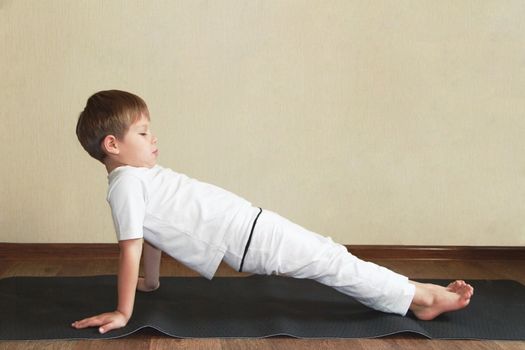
{"points": [[373, 122]]}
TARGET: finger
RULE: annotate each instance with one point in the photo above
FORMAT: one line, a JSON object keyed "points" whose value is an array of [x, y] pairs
{"points": [[88, 322], [91, 322], [110, 326], [80, 323]]}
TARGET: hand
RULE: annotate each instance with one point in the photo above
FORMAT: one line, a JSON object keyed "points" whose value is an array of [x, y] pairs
{"points": [[106, 321], [143, 287]]}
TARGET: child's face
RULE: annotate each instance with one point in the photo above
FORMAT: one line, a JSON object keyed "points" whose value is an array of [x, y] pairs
{"points": [[139, 147]]}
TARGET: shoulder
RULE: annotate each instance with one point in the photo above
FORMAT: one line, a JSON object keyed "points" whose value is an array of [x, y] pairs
{"points": [[126, 181]]}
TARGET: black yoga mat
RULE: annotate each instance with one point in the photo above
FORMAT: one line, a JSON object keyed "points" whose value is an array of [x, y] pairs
{"points": [[251, 307]]}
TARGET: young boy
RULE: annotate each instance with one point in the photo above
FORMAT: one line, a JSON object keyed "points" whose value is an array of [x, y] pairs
{"points": [[155, 209]]}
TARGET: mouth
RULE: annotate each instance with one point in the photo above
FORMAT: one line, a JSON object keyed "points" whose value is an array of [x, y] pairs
{"points": [[156, 152]]}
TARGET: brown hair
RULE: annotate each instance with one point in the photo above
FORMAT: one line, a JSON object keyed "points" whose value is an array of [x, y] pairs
{"points": [[106, 113]]}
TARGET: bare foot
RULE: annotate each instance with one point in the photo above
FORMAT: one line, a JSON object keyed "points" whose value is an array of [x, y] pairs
{"points": [[431, 300]]}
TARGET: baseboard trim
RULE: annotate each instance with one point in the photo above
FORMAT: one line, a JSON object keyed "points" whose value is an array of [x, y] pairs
{"points": [[74, 251], [32, 251]]}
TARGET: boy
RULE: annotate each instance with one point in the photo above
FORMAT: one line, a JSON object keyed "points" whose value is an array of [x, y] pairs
{"points": [[200, 225]]}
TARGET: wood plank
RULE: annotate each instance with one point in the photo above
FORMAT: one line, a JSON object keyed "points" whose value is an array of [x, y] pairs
{"points": [[27, 251], [407, 252]]}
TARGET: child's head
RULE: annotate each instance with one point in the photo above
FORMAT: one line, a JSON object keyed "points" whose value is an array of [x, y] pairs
{"points": [[108, 113]]}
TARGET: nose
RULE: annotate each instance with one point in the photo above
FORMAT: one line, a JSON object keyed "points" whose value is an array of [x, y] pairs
{"points": [[154, 139]]}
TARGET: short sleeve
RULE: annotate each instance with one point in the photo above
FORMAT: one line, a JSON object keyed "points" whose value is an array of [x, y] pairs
{"points": [[127, 200]]}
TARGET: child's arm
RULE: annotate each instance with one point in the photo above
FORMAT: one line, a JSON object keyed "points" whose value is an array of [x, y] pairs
{"points": [[129, 261], [151, 262]]}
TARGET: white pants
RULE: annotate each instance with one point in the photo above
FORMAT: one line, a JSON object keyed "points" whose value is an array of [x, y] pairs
{"points": [[280, 247]]}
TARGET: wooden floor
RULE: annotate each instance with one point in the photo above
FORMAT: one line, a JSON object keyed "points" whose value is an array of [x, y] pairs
{"points": [[472, 269]]}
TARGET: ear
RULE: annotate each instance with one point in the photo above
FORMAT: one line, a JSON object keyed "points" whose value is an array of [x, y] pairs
{"points": [[110, 145]]}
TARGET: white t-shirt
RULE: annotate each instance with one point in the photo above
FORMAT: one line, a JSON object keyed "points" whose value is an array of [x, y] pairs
{"points": [[188, 219]]}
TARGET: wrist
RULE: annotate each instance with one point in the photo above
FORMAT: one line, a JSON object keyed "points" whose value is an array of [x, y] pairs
{"points": [[147, 285], [126, 315], [151, 285]]}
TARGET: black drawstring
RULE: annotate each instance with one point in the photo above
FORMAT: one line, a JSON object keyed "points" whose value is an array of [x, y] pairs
{"points": [[249, 240]]}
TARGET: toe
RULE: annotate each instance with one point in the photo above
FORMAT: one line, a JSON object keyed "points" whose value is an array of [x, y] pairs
{"points": [[454, 286]]}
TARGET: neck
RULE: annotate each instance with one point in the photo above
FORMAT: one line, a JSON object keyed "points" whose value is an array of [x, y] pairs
{"points": [[111, 164]]}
